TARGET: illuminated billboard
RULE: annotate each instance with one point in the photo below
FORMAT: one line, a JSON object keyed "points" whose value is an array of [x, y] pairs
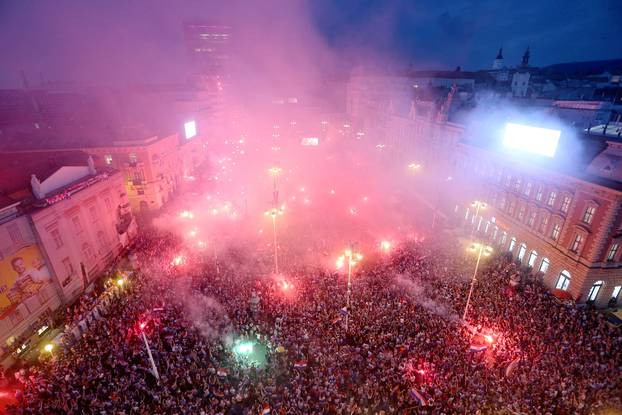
{"points": [[190, 128], [534, 140], [22, 276], [310, 141]]}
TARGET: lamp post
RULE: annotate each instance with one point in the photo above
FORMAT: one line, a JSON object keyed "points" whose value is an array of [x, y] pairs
{"points": [[274, 172], [273, 213], [154, 369], [477, 205], [49, 348], [414, 166], [353, 258], [481, 249]]}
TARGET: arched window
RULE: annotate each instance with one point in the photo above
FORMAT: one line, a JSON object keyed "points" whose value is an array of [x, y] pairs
{"points": [[544, 265], [521, 252], [87, 252], [532, 258], [512, 244], [593, 294], [563, 281]]}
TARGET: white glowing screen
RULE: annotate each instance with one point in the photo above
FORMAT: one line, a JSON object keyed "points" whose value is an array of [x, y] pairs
{"points": [[535, 140], [310, 141], [190, 129]]}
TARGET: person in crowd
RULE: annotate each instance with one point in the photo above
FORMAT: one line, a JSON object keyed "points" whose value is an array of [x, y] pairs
{"points": [[406, 351]]}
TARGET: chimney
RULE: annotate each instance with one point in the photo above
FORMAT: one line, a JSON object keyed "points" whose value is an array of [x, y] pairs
{"points": [[91, 164], [36, 187]]}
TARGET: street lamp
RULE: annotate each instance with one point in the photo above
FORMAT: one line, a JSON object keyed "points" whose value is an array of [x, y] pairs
{"points": [[352, 258], [273, 213], [275, 171], [477, 205], [153, 365], [414, 166], [481, 249], [385, 246]]}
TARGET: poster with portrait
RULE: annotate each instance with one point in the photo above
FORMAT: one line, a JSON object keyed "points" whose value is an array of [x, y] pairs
{"points": [[22, 275]]}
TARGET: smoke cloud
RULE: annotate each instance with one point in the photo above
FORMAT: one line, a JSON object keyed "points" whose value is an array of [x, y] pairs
{"points": [[417, 293]]}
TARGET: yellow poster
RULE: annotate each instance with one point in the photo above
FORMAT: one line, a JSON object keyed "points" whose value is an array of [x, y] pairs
{"points": [[22, 275]]}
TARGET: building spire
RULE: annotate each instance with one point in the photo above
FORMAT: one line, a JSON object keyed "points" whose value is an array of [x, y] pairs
{"points": [[525, 61], [498, 62]]}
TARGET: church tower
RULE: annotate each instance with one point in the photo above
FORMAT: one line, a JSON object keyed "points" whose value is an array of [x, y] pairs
{"points": [[498, 62], [525, 62]]}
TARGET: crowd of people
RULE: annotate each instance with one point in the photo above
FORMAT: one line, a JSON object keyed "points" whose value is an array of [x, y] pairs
{"points": [[406, 349]]}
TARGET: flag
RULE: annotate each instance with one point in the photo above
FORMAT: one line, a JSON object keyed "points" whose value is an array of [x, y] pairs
{"points": [[222, 372], [266, 409], [476, 348], [344, 311], [418, 397], [336, 320], [512, 366], [300, 364]]}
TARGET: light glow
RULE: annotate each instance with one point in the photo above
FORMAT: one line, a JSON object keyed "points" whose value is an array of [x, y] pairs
{"points": [[536, 140], [190, 129], [310, 141], [385, 246], [243, 348], [178, 260]]}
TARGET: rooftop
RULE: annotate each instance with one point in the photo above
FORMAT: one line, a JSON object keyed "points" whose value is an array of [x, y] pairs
{"points": [[29, 138], [587, 157], [16, 169]]}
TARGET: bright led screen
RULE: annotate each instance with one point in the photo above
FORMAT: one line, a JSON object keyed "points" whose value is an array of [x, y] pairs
{"points": [[310, 141], [190, 129], [534, 140]]}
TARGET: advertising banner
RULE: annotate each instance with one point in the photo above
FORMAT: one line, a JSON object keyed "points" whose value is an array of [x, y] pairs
{"points": [[22, 275]]}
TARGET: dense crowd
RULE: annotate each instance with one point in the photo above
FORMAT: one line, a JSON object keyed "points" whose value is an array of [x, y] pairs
{"points": [[406, 351]]}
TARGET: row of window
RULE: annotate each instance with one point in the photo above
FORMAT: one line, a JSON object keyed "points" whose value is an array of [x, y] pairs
{"points": [[564, 278], [586, 218], [58, 240], [578, 239], [516, 183], [131, 157]]}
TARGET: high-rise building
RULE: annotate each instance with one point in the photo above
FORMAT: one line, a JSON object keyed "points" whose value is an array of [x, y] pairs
{"points": [[208, 51], [207, 47]]}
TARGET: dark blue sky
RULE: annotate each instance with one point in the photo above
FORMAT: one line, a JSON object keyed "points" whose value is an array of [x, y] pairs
{"points": [[469, 32], [117, 40]]}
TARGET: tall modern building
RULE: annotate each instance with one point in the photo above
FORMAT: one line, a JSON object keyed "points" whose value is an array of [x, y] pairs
{"points": [[207, 47]]}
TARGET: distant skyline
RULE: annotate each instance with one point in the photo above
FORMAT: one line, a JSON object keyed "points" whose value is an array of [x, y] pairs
{"points": [[134, 40]]}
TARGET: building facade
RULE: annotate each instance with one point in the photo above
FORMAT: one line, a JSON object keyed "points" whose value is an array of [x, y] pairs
{"points": [[152, 168], [83, 234], [62, 223], [28, 293], [566, 225], [563, 227]]}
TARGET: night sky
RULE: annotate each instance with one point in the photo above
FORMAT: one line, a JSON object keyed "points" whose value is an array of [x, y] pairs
{"points": [[130, 40]]}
